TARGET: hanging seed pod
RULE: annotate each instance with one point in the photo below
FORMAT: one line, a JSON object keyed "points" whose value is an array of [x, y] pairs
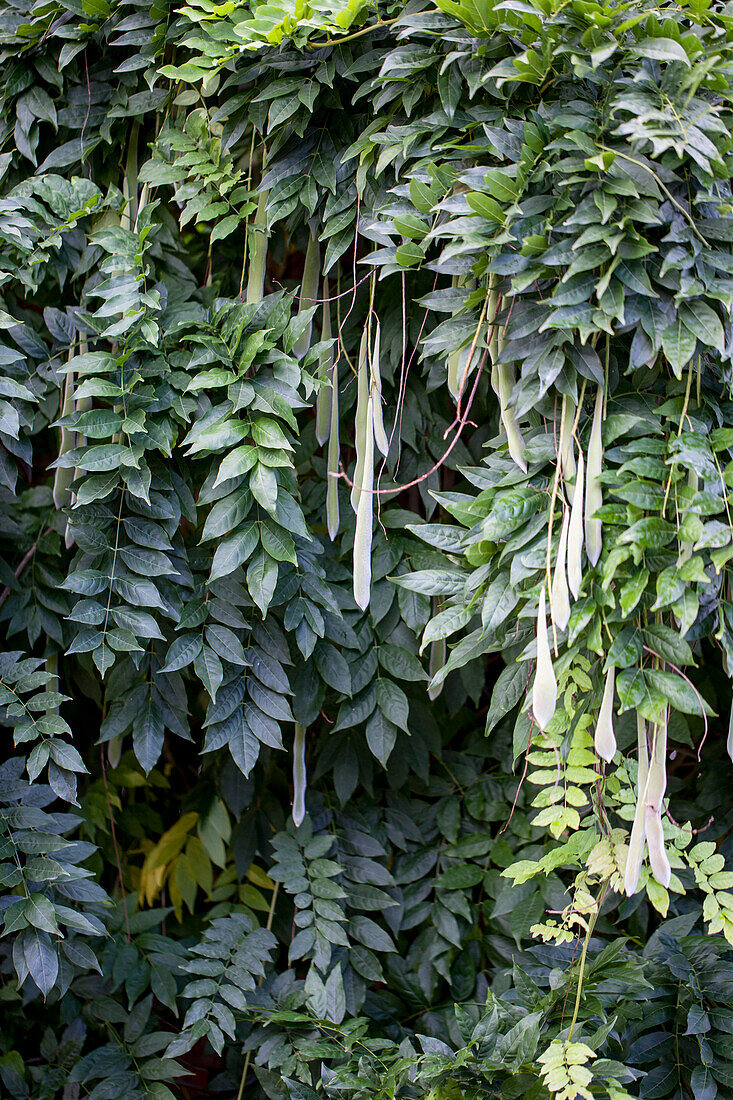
{"points": [[363, 536], [656, 786], [458, 369], [605, 738], [380, 436], [324, 397], [114, 750], [309, 292], [299, 775], [565, 442], [258, 252], [638, 830], [544, 690], [502, 381], [455, 356], [593, 491], [64, 476], [82, 404], [559, 598], [129, 181], [658, 859], [141, 204], [438, 654], [362, 396], [515, 440], [332, 489], [729, 743], [686, 547], [575, 531]]}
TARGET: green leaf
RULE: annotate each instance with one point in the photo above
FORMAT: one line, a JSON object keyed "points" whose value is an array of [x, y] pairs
{"points": [[393, 703], [261, 579], [678, 345], [381, 735], [661, 49], [509, 688]]}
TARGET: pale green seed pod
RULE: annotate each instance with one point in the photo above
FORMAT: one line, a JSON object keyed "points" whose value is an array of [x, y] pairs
{"points": [[575, 531], [82, 404], [454, 359], [258, 252], [638, 830], [299, 775], [309, 291], [64, 475], [593, 491], [502, 382], [325, 372], [363, 536], [729, 743], [565, 442], [380, 436], [332, 489], [114, 750], [458, 366], [362, 396], [544, 690], [559, 597], [438, 652], [605, 738], [658, 858], [656, 787], [515, 440], [129, 181], [686, 547]]}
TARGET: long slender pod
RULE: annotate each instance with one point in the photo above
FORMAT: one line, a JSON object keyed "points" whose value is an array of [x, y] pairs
{"points": [[128, 217], [332, 465], [502, 380], [638, 829], [575, 531], [656, 787], [362, 396], [593, 491], [363, 536], [686, 547], [65, 475], [309, 291], [300, 780], [565, 442], [258, 251], [459, 367], [544, 690], [605, 738], [559, 598], [380, 436], [323, 399]]}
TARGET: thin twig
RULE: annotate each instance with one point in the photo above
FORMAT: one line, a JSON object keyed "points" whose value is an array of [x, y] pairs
{"points": [[248, 1055], [19, 569], [423, 477]]}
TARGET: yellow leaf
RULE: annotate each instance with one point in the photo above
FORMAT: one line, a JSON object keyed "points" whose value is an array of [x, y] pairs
{"points": [[259, 878]]}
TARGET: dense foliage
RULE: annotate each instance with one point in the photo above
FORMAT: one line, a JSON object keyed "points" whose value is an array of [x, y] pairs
{"points": [[366, 456]]}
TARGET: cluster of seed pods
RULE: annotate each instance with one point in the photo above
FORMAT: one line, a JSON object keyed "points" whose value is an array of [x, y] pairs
{"points": [[647, 827], [580, 528]]}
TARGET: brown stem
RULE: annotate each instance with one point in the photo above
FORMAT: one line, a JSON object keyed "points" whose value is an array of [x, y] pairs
{"points": [[19, 569], [416, 481]]}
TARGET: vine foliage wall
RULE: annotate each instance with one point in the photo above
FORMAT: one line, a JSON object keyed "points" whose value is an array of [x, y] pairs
{"points": [[366, 455]]}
